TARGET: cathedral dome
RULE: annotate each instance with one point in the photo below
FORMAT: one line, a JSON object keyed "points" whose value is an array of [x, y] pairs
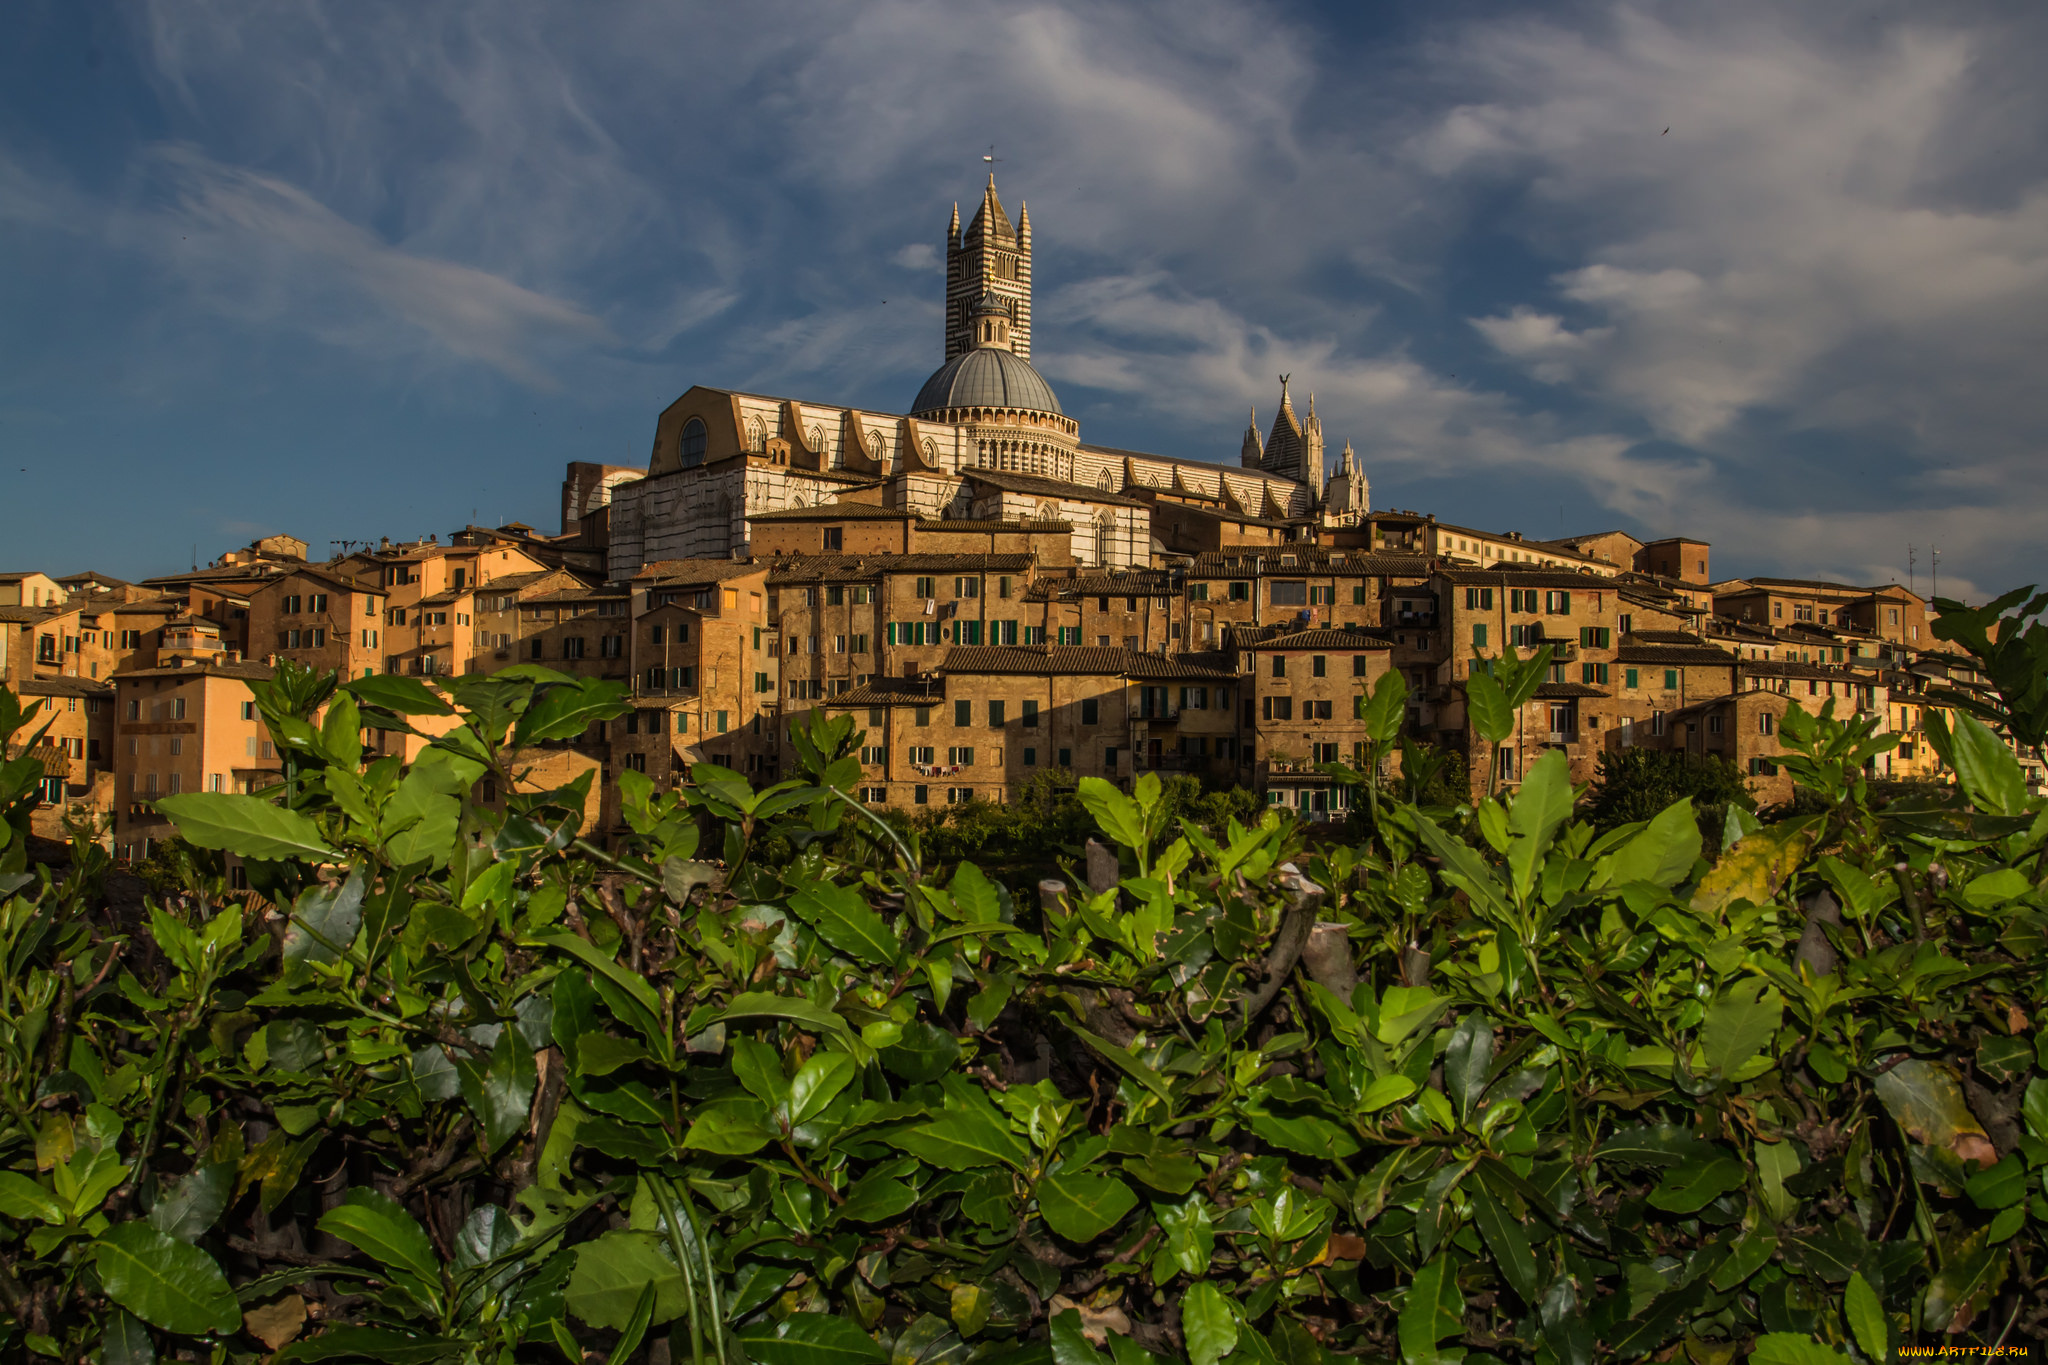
{"points": [[986, 377]]}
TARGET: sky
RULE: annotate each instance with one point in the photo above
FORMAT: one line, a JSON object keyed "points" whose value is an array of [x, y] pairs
{"points": [[1774, 276]]}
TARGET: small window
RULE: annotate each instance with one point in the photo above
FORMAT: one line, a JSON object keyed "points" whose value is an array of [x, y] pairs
{"points": [[963, 712], [1316, 665], [1279, 665], [995, 714], [1358, 665], [1090, 710], [1479, 635], [830, 539], [1670, 680], [1028, 716]]}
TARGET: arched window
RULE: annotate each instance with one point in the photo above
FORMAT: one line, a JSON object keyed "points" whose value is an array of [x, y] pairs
{"points": [[692, 448], [757, 435]]}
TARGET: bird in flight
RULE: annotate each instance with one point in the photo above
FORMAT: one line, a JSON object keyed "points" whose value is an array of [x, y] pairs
{"points": [[1665, 131], [991, 154]]}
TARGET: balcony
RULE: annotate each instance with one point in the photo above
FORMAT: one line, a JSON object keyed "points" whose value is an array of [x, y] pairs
{"points": [[1415, 618], [1164, 715]]}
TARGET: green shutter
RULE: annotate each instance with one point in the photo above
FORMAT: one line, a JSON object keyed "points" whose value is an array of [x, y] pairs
{"points": [[1479, 635]]}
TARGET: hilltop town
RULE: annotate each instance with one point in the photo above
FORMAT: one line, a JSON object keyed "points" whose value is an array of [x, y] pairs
{"points": [[992, 597]]}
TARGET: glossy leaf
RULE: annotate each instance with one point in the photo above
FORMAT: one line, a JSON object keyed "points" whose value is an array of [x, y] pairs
{"points": [[165, 1282]]}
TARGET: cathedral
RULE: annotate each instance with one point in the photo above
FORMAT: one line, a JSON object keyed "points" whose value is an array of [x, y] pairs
{"points": [[985, 441]]}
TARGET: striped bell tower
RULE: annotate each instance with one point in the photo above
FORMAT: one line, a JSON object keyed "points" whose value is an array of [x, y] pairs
{"points": [[991, 257]]}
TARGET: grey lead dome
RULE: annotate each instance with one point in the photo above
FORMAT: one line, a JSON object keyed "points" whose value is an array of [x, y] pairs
{"points": [[986, 377]]}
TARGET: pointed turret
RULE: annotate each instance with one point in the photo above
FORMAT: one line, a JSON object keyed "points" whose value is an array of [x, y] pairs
{"points": [[1024, 224], [953, 230], [1253, 450]]}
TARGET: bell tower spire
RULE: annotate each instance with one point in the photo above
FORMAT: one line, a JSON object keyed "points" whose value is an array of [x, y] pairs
{"points": [[992, 258]]}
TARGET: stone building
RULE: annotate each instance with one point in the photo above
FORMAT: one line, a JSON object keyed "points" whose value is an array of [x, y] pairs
{"points": [[985, 439]]}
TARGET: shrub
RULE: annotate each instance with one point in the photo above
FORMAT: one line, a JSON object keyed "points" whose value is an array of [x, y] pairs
{"points": [[1634, 784], [461, 1086]]}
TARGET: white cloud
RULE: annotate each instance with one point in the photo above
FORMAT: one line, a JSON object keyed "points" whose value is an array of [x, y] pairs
{"points": [[245, 219]]}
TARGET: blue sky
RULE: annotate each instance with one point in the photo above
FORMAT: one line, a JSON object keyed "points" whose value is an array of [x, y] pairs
{"points": [[351, 270]]}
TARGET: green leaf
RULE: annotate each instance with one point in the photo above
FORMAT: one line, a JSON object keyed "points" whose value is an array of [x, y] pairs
{"points": [[23, 1198], [1664, 852], [974, 896], [191, 1206], [1987, 769], [811, 1339], [165, 1282], [611, 1273], [731, 1129], [1999, 1186], [1487, 707], [379, 1227], [325, 921], [962, 1139], [500, 1091], [1740, 1024], [126, 1341], [923, 1053], [1070, 1346], [1865, 1315], [1691, 1187], [1433, 1310], [635, 1328], [635, 985], [1124, 1060], [817, 1083], [1207, 1324], [566, 711], [1507, 1241], [876, 1198], [246, 826], [1081, 1207], [1790, 1348], [1541, 807], [1117, 814], [1385, 1091], [400, 696], [1971, 1273], [1309, 1134], [842, 918], [763, 1005], [1467, 1060], [379, 1344]]}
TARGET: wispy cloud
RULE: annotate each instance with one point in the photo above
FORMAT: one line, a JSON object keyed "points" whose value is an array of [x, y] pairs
{"points": [[247, 218]]}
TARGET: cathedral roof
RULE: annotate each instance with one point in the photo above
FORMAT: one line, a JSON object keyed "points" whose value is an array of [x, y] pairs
{"points": [[987, 377]]}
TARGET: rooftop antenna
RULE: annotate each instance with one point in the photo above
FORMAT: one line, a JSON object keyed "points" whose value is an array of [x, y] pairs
{"points": [[1934, 556], [1912, 561]]}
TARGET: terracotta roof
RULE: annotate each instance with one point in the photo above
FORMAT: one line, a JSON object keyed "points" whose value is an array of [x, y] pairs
{"points": [[1246, 563], [512, 582], [1681, 649], [162, 606], [889, 692], [1076, 661], [1791, 668], [682, 572], [926, 525], [838, 511], [1048, 488], [820, 568], [1138, 583], [63, 687], [104, 579], [201, 668], [332, 580], [1529, 576], [29, 615], [1568, 689], [1316, 637], [443, 599]]}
